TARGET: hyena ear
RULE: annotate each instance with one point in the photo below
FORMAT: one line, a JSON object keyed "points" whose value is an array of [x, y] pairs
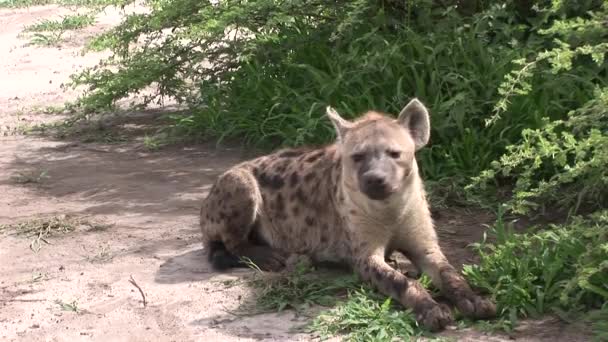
{"points": [[341, 125], [415, 118]]}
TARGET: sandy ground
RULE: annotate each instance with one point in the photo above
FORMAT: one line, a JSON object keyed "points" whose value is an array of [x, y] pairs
{"points": [[149, 201]]}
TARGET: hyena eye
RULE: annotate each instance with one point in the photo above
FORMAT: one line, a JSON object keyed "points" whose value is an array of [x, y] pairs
{"points": [[393, 154], [357, 157]]}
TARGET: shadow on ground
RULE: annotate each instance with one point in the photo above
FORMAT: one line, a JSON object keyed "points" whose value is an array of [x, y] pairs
{"points": [[191, 266], [118, 178]]}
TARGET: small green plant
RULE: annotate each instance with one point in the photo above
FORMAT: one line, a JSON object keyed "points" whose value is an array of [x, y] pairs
{"points": [[47, 39], [73, 306], [153, 143]]}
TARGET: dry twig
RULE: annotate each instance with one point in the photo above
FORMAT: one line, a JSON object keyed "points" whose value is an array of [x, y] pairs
{"points": [[143, 296]]}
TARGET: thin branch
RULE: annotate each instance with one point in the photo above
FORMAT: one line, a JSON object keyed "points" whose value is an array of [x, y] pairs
{"points": [[143, 296]]}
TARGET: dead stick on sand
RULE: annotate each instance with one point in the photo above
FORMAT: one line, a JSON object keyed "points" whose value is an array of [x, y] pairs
{"points": [[143, 296]]}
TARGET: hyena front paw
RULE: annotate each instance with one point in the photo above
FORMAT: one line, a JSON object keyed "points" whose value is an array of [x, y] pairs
{"points": [[434, 317], [266, 258], [474, 306]]}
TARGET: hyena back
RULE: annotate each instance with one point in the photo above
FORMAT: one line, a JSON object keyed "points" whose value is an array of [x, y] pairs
{"points": [[354, 201]]}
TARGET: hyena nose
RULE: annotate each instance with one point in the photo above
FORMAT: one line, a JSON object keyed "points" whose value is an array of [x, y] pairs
{"points": [[374, 181]]}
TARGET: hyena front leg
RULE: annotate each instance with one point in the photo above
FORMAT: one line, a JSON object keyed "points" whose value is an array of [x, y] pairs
{"points": [[408, 292], [433, 262]]}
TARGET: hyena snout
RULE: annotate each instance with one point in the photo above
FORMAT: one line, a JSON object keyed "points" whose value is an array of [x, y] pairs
{"points": [[375, 185]]}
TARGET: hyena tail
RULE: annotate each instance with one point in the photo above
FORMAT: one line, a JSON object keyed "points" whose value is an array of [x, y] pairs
{"points": [[220, 258]]}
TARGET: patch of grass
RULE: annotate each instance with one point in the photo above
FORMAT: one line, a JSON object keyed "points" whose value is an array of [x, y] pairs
{"points": [[52, 110], [102, 136], [356, 310], [299, 289], [69, 22], [39, 229], [367, 316], [82, 129], [50, 32], [12, 130], [102, 255], [101, 42], [30, 177]]}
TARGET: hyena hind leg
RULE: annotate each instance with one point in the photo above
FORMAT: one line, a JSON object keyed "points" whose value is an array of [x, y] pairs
{"points": [[229, 224]]}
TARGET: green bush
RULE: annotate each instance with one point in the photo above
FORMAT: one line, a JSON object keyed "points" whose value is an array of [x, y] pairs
{"points": [[264, 70], [561, 269], [563, 163]]}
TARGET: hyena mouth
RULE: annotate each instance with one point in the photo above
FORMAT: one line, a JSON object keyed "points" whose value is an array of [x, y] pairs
{"points": [[377, 193]]}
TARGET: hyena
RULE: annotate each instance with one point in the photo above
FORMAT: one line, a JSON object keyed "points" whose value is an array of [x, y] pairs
{"points": [[354, 201]]}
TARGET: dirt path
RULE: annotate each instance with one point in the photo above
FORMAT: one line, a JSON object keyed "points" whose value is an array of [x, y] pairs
{"points": [[145, 207]]}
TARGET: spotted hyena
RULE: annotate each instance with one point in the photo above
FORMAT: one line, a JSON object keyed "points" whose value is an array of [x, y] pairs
{"points": [[354, 201]]}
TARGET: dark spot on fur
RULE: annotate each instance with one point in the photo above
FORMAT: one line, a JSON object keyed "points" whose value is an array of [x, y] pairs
{"points": [[294, 179], [352, 212], [309, 176], [282, 168], [235, 214], [309, 220], [280, 204], [223, 216], [300, 196], [378, 274], [295, 210], [256, 172], [314, 156], [323, 238], [271, 181], [400, 284]]}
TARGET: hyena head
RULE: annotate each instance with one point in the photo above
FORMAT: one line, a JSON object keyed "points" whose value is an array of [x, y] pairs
{"points": [[378, 151]]}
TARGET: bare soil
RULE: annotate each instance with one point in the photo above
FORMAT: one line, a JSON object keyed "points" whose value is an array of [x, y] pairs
{"points": [[145, 204]]}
